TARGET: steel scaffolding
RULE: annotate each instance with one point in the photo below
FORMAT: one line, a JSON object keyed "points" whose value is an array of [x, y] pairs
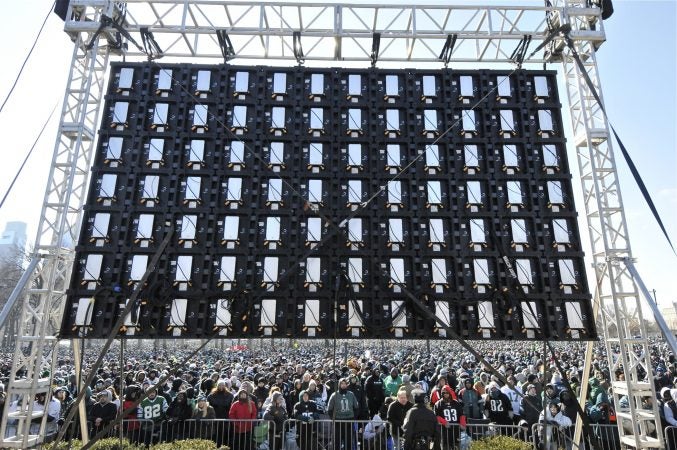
{"points": [[619, 301], [35, 352], [297, 32]]}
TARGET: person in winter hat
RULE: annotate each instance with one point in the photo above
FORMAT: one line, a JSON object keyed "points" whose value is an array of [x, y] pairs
{"points": [[551, 394], [598, 405], [276, 413], [243, 412], [497, 406], [178, 412], [103, 411], [344, 407], [471, 400], [554, 424], [306, 413], [530, 407], [668, 414]]}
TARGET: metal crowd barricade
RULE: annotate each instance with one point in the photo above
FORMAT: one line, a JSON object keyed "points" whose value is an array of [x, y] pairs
{"points": [[245, 434], [217, 430], [607, 435], [548, 436], [327, 434], [670, 434], [483, 430], [135, 430], [450, 435], [476, 427], [252, 434]]}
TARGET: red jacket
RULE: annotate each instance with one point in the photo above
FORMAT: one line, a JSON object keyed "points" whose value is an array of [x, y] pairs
{"points": [[244, 411], [435, 395], [131, 421]]}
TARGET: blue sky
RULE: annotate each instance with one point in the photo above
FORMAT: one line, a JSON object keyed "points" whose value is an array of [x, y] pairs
{"points": [[638, 66], [638, 69]]}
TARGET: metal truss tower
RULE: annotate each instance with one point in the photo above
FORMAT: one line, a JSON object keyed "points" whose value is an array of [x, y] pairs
{"points": [[617, 293], [341, 33], [36, 348]]}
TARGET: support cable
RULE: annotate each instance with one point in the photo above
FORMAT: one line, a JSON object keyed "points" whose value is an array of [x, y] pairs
{"points": [[121, 32], [626, 155], [35, 41], [28, 155], [514, 277], [150, 45], [114, 331], [521, 50]]}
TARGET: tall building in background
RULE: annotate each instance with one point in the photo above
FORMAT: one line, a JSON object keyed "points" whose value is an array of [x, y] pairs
{"points": [[13, 238]]}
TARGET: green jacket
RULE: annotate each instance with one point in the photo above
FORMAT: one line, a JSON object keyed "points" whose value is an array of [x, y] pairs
{"points": [[391, 385]]}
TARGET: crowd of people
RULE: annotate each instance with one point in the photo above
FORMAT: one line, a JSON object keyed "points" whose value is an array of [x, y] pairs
{"points": [[379, 385]]}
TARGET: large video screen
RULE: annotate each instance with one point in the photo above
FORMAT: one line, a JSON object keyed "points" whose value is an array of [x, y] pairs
{"points": [[348, 203]]}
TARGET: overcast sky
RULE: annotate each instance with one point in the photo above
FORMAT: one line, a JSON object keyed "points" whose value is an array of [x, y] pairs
{"points": [[637, 64]]}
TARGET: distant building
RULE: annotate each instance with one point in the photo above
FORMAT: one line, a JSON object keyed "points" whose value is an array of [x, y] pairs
{"points": [[670, 316], [12, 239]]}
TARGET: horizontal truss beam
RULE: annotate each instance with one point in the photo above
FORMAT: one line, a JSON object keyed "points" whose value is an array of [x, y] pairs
{"points": [[335, 32]]}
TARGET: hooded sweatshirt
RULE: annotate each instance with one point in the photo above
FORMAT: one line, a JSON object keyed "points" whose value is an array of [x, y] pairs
{"points": [[568, 405], [530, 407], [597, 393], [553, 396], [669, 408], [471, 401], [599, 403], [305, 411], [276, 412]]}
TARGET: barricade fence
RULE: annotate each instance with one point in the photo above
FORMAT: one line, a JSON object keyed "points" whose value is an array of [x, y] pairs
{"points": [[547, 436], [670, 435], [325, 434], [237, 434], [135, 430], [328, 434], [552, 437]]}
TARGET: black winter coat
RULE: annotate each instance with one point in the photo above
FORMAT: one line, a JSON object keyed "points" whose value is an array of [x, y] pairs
{"points": [[221, 402], [420, 421]]}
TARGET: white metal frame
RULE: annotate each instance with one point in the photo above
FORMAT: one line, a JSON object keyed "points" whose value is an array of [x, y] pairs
{"points": [[617, 294], [336, 32], [329, 32], [58, 231]]}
